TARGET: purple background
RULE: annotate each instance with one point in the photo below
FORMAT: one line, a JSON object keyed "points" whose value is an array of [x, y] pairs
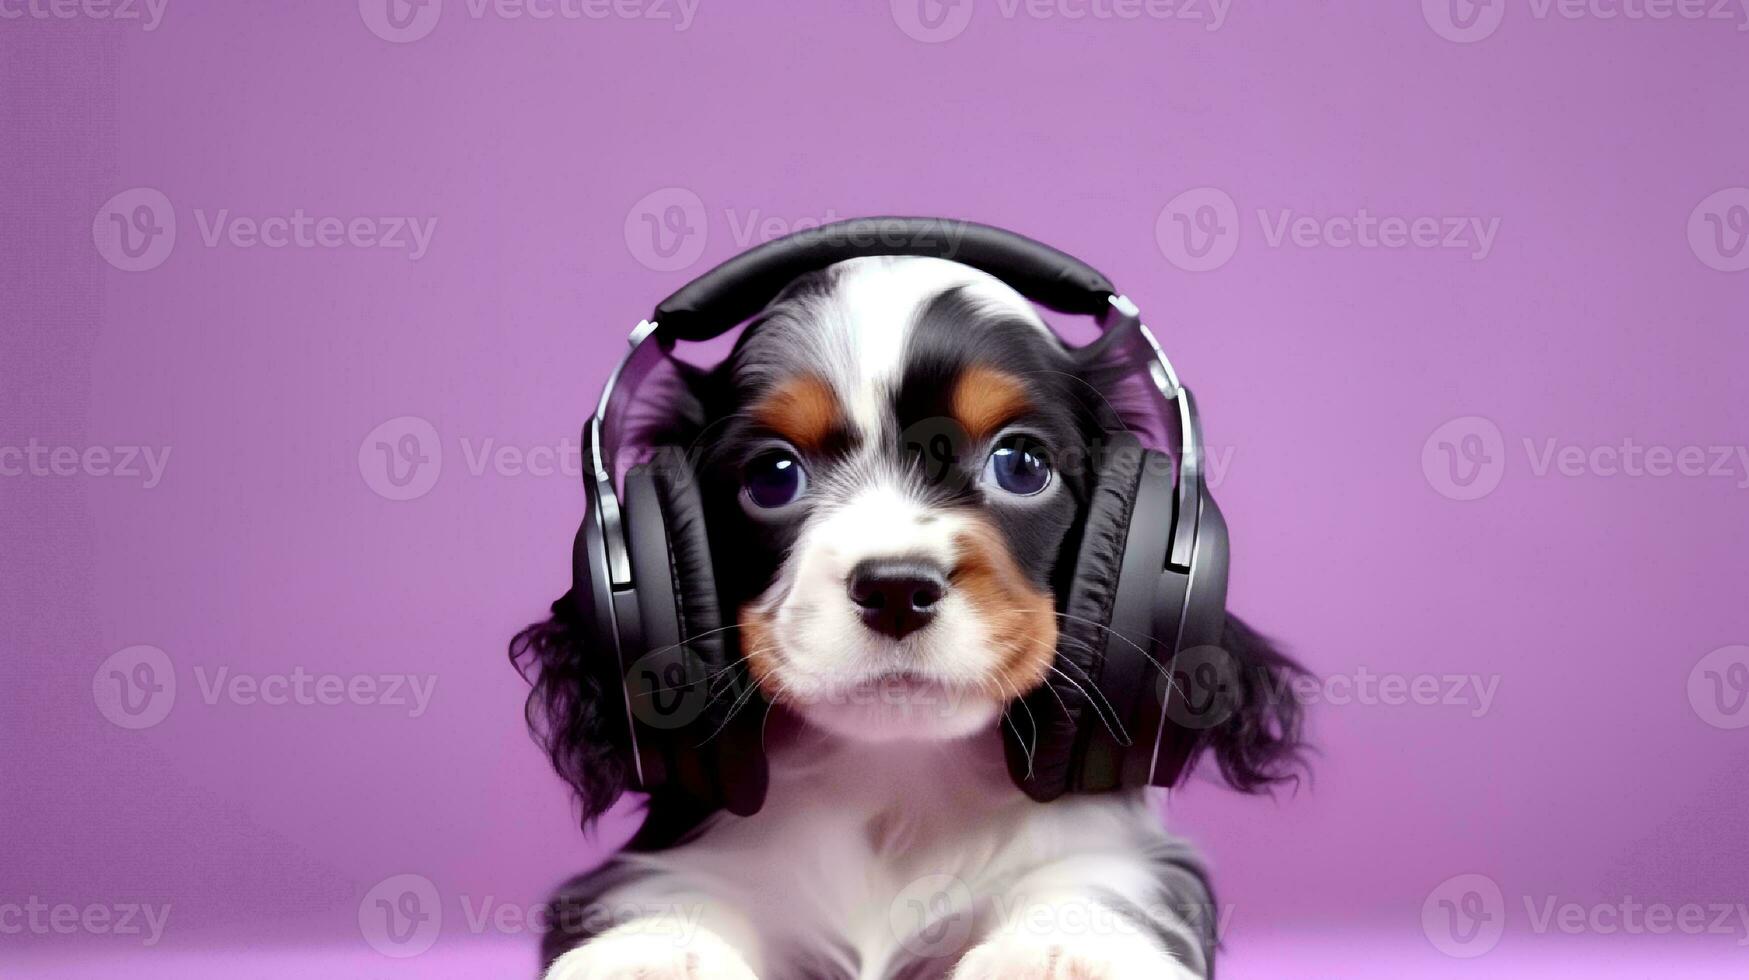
{"points": [[1598, 772]]}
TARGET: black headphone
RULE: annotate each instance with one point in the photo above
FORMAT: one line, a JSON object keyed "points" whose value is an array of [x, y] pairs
{"points": [[1150, 575]]}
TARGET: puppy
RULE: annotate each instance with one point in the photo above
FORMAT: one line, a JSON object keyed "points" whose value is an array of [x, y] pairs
{"points": [[891, 608]]}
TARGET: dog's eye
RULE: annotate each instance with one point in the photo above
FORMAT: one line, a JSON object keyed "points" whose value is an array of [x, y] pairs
{"points": [[1019, 466], [774, 479]]}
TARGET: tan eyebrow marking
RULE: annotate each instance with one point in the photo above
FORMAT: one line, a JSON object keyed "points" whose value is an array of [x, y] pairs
{"points": [[985, 399], [803, 410]]}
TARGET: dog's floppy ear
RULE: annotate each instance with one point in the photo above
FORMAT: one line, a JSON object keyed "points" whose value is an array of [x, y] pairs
{"points": [[576, 701], [1258, 743], [575, 708]]}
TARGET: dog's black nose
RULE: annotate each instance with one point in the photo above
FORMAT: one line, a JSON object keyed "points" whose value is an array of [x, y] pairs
{"points": [[896, 596]]}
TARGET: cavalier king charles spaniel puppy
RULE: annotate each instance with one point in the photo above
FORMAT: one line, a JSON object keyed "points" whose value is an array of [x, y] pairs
{"points": [[889, 609]]}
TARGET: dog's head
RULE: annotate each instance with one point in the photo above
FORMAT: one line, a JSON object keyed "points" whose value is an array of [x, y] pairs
{"points": [[893, 463], [889, 483]]}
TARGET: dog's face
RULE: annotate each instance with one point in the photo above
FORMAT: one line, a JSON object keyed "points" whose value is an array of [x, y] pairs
{"points": [[892, 481]]}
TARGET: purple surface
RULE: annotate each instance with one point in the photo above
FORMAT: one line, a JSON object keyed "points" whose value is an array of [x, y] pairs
{"points": [[1607, 156], [1321, 957]]}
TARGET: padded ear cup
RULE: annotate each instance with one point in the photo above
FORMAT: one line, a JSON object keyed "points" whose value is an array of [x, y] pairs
{"points": [[682, 693], [1070, 701]]}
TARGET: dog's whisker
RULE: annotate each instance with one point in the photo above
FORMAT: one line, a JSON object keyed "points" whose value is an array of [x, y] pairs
{"points": [[717, 690], [1033, 720], [1101, 626], [1060, 702], [1112, 724], [1121, 734], [1164, 672], [1063, 704], [1025, 750], [734, 709]]}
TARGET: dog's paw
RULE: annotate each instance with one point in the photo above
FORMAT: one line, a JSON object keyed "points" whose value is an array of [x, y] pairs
{"points": [[1018, 956], [629, 953]]}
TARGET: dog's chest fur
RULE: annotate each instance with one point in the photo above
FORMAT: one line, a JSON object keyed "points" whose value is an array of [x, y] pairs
{"points": [[860, 849]]}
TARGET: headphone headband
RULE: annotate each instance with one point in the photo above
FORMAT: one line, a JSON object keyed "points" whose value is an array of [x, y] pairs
{"points": [[732, 292], [722, 298]]}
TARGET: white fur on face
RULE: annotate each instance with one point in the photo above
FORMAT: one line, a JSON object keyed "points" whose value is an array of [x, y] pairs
{"points": [[842, 676], [944, 681]]}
